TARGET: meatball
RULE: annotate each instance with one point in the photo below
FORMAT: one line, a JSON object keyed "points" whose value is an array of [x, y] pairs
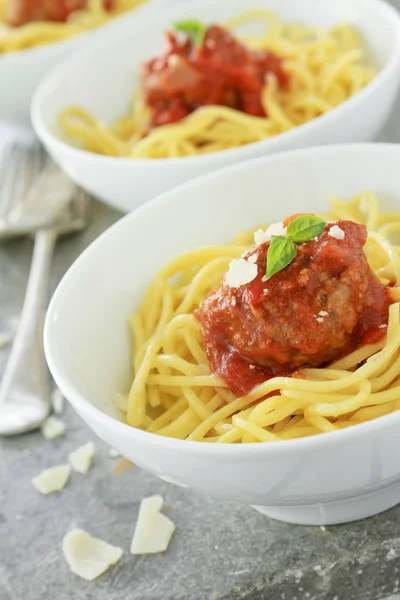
{"points": [[308, 314]]}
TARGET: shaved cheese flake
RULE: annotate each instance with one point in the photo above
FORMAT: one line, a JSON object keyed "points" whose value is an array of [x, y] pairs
{"points": [[53, 428], [252, 259], [81, 459], [240, 272], [261, 237], [320, 320], [336, 232], [173, 60], [52, 480], [323, 313], [87, 556], [57, 401], [153, 531]]}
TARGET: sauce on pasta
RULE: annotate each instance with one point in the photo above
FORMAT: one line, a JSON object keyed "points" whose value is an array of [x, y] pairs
{"points": [[324, 342], [20, 12], [220, 71], [217, 88], [322, 306], [26, 24]]}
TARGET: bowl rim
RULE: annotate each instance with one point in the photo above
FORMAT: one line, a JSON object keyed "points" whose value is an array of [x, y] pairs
{"points": [[271, 144], [271, 448]]}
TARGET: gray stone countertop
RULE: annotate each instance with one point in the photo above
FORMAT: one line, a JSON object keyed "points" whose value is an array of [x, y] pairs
{"points": [[220, 551]]}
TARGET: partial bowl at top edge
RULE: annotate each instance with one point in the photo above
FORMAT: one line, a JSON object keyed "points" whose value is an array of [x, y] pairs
{"points": [[23, 70]]}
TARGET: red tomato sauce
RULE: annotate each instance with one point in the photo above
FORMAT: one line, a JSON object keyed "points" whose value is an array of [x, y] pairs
{"points": [[221, 71], [20, 12], [324, 305]]}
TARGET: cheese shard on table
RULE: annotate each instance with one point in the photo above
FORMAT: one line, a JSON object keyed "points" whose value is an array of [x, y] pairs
{"points": [[153, 531], [52, 480], [52, 428], [87, 556], [81, 459]]}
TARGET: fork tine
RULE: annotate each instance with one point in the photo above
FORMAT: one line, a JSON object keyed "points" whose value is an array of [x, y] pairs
{"points": [[30, 169], [9, 166], [15, 180]]}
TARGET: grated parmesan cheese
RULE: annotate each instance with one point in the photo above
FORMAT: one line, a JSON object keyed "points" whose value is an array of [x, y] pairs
{"points": [[87, 556], [172, 60], [240, 272], [261, 237], [153, 531], [323, 313], [53, 428], [383, 326], [52, 480], [81, 459], [320, 320], [252, 259], [336, 232]]}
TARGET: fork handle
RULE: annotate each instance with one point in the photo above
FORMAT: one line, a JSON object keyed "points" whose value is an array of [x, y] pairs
{"points": [[24, 389]]}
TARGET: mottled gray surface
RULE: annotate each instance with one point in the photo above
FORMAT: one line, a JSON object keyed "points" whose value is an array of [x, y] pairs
{"points": [[220, 551]]}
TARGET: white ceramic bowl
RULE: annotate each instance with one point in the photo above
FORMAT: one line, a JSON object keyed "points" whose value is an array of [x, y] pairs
{"points": [[21, 72], [104, 78], [330, 478]]}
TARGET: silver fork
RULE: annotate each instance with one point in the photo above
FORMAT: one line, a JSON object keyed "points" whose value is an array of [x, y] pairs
{"points": [[24, 389], [20, 166]]}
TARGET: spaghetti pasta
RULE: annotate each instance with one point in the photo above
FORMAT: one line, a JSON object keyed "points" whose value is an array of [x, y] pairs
{"points": [[175, 394], [324, 68], [39, 33]]}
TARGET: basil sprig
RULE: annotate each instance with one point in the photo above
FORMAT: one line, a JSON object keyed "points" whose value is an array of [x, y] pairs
{"points": [[282, 250], [304, 228], [280, 254], [194, 29]]}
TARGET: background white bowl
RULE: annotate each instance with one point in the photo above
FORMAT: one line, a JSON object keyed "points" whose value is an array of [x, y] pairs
{"points": [[21, 72], [104, 78], [331, 478]]}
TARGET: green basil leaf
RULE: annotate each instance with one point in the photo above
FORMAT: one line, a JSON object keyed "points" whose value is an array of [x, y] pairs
{"points": [[280, 254], [194, 29], [305, 228]]}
